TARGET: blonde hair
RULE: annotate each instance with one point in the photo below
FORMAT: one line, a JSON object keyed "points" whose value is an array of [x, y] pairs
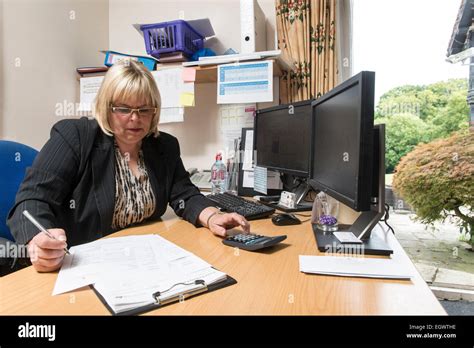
{"points": [[122, 81]]}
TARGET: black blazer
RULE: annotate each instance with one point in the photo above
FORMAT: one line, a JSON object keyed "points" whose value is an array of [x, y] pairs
{"points": [[71, 183]]}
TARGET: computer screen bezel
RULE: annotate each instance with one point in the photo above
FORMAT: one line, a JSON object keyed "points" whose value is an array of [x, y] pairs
{"points": [[365, 82], [299, 173]]}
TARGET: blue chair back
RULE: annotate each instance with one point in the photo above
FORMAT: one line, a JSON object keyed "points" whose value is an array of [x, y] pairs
{"points": [[14, 159]]}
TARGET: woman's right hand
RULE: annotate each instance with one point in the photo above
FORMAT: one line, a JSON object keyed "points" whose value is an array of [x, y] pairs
{"points": [[47, 254]]}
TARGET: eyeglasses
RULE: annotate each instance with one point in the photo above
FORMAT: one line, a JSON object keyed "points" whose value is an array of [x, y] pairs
{"points": [[125, 112]]}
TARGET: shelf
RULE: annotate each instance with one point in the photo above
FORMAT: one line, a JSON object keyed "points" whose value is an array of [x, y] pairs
{"points": [[207, 74]]}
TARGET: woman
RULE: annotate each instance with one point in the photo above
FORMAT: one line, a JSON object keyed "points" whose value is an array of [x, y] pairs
{"points": [[94, 177]]}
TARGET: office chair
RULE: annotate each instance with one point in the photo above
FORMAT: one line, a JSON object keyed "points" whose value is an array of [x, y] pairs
{"points": [[14, 159]]}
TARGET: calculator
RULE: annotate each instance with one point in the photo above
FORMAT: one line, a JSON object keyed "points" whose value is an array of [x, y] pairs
{"points": [[252, 242]]}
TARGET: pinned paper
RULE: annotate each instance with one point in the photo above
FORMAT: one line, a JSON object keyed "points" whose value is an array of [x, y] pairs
{"points": [[171, 87], [189, 74], [260, 182], [186, 99], [245, 82], [89, 87], [169, 115]]}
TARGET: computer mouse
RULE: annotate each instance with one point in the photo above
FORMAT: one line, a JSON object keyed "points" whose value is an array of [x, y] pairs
{"points": [[285, 219]]}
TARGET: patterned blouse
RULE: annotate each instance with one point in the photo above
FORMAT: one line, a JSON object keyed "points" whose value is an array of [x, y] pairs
{"points": [[134, 198]]}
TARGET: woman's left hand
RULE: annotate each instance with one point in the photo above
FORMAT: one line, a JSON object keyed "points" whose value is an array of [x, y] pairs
{"points": [[220, 223]]}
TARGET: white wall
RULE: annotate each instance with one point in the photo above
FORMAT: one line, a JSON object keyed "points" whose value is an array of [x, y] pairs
{"points": [[43, 41], [199, 135]]}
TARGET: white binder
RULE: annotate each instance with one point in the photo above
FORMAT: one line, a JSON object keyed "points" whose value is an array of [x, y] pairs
{"points": [[253, 36]]}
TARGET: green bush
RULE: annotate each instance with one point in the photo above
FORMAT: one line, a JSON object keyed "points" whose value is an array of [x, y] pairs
{"points": [[437, 180]]}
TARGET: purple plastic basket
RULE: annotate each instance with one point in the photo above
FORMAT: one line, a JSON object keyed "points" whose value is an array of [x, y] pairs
{"points": [[167, 37]]}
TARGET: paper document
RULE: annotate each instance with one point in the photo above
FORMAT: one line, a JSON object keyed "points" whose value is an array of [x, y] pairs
{"points": [[169, 115], [354, 267], [171, 86], [89, 87], [273, 179], [138, 289], [247, 162], [189, 74], [260, 180], [128, 271], [122, 256], [245, 83]]}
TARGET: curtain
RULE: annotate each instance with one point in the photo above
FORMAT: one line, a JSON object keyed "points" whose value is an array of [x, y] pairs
{"points": [[307, 34]]}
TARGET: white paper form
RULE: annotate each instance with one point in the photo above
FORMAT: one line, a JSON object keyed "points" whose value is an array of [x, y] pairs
{"points": [[137, 290], [260, 180], [169, 115], [273, 179], [133, 254], [247, 162], [354, 267], [171, 86], [245, 83], [88, 261], [126, 291], [89, 87]]}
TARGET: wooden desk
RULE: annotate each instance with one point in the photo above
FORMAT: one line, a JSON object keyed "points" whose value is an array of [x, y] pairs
{"points": [[269, 282]]}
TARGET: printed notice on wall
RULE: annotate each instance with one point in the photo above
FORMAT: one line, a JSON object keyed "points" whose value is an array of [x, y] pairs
{"points": [[245, 83], [89, 87]]}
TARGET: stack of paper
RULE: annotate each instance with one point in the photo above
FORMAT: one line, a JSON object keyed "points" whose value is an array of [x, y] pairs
{"points": [[127, 271], [354, 267]]}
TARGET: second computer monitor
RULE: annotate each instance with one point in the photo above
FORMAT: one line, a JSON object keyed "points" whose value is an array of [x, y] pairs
{"points": [[283, 138], [342, 151]]}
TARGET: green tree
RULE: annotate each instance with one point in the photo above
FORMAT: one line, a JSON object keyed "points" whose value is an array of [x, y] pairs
{"points": [[452, 117], [415, 114], [403, 133]]}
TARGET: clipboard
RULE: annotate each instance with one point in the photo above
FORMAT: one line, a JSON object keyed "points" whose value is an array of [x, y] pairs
{"points": [[204, 288], [249, 191]]}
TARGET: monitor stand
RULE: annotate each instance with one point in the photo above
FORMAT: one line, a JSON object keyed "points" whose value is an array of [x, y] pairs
{"points": [[373, 245], [301, 205]]}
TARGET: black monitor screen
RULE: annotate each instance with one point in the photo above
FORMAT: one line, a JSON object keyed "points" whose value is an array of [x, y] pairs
{"points": [[342, 152], [283, 138]]}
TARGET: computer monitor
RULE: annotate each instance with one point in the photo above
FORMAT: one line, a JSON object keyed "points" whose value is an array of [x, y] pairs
{"points": [[282, 142], [283, 138], [343, 141], [348, 157]]}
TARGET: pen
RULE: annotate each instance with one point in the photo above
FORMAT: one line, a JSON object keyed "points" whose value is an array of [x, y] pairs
{"points": [[40, 227]]}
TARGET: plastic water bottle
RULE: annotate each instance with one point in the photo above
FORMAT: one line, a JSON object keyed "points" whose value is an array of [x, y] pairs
{"points": [[218, 172]]}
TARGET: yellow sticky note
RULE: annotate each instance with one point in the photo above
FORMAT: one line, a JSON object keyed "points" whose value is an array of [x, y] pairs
{"points": [[189, 74], [186, 99]]}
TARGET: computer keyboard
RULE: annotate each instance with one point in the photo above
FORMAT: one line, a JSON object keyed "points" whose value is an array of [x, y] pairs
{"points": [[235, 204]]}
